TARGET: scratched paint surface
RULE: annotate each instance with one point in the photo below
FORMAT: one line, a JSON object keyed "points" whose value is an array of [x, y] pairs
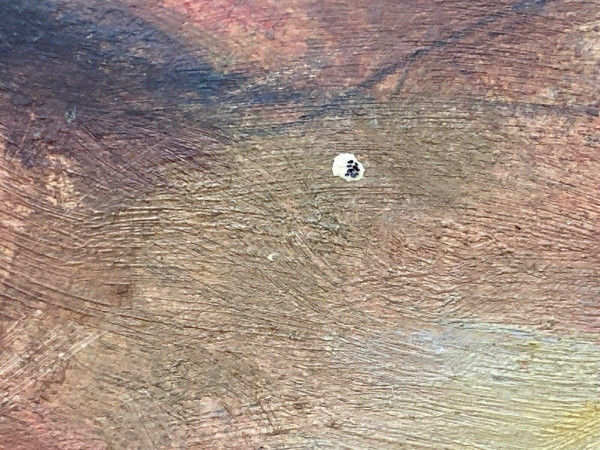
{"points": [[179, 269]]}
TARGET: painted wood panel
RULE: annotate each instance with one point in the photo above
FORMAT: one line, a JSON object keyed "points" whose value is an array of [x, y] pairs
{"points": [[180, 269]]}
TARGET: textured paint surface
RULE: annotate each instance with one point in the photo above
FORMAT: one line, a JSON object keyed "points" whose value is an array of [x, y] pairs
{"points": [[179, 269]]}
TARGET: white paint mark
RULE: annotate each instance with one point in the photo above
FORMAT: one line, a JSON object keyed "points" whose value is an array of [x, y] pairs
{"points": [[346, 166]]}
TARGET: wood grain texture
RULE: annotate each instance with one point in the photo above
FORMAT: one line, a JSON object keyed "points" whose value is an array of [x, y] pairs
{"points": [[179, 269]]}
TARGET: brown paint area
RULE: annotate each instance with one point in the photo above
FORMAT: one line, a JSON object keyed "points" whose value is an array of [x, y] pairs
{"points": [[273, 35], [179, 269]]}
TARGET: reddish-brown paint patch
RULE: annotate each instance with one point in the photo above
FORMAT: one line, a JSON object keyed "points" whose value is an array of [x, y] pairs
{"points": [[454, 289]]}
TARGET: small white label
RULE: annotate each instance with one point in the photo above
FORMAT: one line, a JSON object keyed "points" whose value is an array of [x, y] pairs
{"points": [[346, 166]]}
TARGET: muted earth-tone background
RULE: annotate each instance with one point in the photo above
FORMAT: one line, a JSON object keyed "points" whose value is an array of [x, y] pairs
{"points": [[179, 269]]}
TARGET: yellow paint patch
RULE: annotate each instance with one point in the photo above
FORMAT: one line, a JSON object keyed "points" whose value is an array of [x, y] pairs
{"points": [[579, 429]]}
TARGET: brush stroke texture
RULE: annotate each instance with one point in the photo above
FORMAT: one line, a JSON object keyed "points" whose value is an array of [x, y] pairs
{"points": [[179, 269]]}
